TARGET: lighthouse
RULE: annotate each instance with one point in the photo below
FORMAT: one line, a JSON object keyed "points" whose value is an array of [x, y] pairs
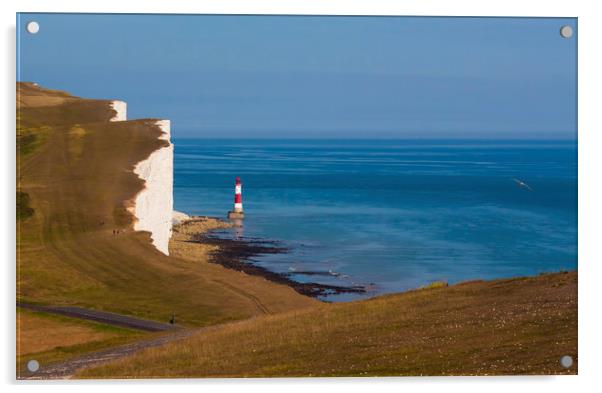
{"points": [[237, 213]]}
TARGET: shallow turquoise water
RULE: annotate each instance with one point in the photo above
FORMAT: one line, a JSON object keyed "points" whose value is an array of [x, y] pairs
{"points": [[394, 214]]}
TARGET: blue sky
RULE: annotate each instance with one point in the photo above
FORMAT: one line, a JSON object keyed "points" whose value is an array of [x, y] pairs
{"points": [[316, 77]]}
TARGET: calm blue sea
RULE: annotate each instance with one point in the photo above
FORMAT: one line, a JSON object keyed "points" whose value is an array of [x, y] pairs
{"points": [[393, 214]]}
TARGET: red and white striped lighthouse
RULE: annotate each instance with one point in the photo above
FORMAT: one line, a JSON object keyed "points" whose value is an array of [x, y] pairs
{"points": [[238, 196], [237, 212]]}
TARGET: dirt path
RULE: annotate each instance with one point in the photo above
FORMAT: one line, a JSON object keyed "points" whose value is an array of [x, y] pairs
{"points": [[67, 369], [102, 316]]}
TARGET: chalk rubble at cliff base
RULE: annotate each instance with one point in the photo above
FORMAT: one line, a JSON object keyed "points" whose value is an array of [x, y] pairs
{"points": [[178, 218]]}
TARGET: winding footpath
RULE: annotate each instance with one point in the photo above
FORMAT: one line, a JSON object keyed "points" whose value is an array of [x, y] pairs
{"points": [[66, 369], [102, 317]]}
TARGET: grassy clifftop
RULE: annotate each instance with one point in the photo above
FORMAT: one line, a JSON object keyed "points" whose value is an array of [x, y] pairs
{"points": [[75, 183]]}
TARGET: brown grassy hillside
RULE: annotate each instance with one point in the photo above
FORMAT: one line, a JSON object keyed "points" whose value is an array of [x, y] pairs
{"points": [[49, 338], [502, 327]]}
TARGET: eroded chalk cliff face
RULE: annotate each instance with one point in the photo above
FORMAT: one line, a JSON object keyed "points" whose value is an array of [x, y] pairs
{"points": [[120, 109], [153, 205]]}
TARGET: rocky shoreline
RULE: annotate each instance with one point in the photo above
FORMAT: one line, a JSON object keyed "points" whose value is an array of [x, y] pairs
{"points": [[236, 254]]}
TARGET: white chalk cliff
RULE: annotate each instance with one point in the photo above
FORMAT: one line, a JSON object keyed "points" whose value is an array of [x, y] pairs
{"points": [[120, 108], [153, 205]]}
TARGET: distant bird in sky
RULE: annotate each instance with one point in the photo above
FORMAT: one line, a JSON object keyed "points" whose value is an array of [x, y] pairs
{"points": [[521, 183]]}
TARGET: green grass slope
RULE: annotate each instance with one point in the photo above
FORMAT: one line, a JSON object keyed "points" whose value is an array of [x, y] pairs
{"points": [[74, 184], [503, 327]]}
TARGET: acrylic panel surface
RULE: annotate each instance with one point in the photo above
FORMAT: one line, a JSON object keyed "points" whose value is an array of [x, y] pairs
{"points": [[409, 187]]}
